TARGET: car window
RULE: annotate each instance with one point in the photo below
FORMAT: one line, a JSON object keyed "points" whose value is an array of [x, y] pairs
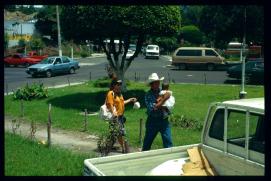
{"points": [[217, 124], [150, 47], [49, 60], [65, 60], [210, 53], [259, 65], [237, 129], [189, 53], [58, 61]]}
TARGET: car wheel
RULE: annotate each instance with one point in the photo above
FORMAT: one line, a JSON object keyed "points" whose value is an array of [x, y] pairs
{"points": [[72, 71], [182, 66], [146, 57], [26, 64], [48, 73], [157, 58], [33, 75], [210, 67]]}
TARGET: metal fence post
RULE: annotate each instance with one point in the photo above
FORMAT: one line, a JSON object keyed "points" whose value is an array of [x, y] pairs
{"points": [[89, 75]]}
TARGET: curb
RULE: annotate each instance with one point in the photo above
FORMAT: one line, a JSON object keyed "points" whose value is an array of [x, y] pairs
{"points": [[56, 86]]}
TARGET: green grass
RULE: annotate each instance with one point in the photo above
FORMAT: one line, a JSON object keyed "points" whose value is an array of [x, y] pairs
{"points": [[192, 101], [27, 158]]}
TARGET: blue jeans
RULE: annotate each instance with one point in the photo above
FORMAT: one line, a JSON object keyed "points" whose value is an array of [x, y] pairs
{"points": [[152, 128]]}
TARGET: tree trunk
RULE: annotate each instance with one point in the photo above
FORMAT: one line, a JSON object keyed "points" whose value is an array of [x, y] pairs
{"points": [[120, 75]]}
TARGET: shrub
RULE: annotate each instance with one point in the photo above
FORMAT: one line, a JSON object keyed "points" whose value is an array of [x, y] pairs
{"points": [[102, 82], [35, 91], [184, 122], [21, 43], [84, 54], [105, 82]]}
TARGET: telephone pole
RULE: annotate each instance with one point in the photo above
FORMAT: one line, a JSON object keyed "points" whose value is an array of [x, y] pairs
{"points": [[242, 58], [58, 32]]}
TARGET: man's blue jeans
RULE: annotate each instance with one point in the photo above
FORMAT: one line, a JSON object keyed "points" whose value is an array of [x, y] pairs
{"points": [[152, 128]]}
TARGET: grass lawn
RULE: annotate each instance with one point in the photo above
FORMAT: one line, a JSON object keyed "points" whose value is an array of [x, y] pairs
{"points": [[191, 101], [27, 158]]}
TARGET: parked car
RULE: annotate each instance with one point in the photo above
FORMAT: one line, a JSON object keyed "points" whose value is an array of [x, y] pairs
{"points": [[184, 57], [256, 74], [53, 65], [34, 54], [129, 53], [236, 71], [132, 47], [152, 51], [20, 59]]}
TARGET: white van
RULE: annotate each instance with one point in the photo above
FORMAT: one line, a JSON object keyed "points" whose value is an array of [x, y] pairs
{"points": [[152, 51], [196, 56]]}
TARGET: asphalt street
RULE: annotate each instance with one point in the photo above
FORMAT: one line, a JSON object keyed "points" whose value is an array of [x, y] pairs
{"points": [[94, 68]]}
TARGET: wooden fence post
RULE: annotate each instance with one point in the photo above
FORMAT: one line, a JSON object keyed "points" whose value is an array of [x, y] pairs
{"points": [[49, 126], [22, 108], [68, 80], [85, 122], [140, 130], [169, 79]]}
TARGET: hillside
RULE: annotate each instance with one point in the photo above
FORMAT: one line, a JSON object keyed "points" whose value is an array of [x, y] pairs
{"points": [[18, 16]]}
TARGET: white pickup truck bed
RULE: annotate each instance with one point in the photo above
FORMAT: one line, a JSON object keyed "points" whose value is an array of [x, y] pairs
{"points": [[138, 163]]}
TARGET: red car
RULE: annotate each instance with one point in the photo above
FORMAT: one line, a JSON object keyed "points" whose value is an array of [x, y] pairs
{"points": [[34, 54], [20, 59]]}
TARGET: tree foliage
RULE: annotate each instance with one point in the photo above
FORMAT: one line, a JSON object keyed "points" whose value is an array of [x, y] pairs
{"points": [[192, 34], [119, 23], [223, 23], [46, 22], [191, 15], [36, 43], [167, 44]]}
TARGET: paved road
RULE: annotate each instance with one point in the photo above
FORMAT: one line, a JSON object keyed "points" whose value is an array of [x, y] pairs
{"points": [[95, 68]]}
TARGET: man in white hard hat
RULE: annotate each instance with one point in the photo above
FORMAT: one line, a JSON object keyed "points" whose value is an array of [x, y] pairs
{"points": [[156, 121]]}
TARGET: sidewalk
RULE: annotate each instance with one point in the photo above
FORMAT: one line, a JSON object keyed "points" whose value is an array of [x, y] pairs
{"points": [[94, 55], [74, 140]]}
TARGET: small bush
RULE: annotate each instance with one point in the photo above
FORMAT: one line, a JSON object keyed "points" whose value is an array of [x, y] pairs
{"points": [[84, 54], [102, 82], [184, 122], [35, 91], [105, 82]]}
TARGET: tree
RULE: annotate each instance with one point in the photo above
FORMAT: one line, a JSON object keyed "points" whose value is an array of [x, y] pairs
{"points": [[191, 15], [223, 23], [36, 43], [168, 44], [119, 23], [46, 22], [192, 34]]}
